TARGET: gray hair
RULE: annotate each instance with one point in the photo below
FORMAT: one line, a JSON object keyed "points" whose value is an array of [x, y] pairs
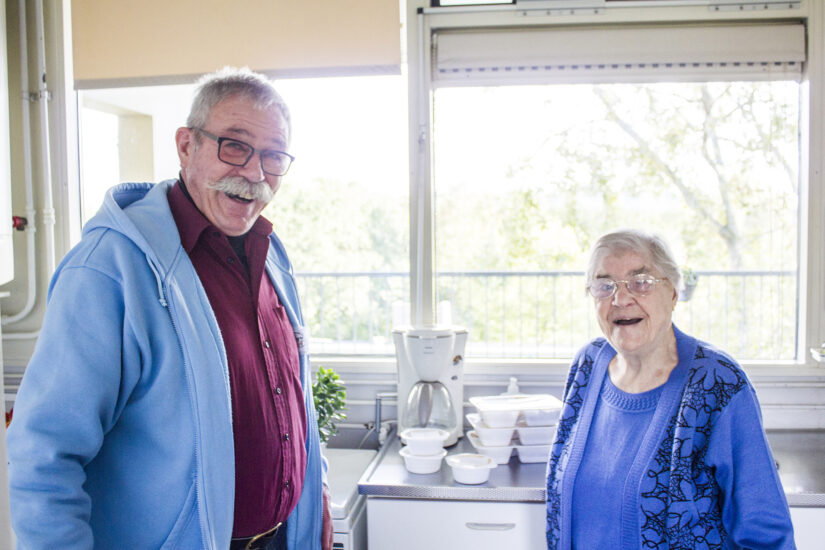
{"points": [[231, 82], [634, 240]]}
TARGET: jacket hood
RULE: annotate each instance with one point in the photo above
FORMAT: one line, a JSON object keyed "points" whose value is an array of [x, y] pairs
{"points": [[132, 210]]}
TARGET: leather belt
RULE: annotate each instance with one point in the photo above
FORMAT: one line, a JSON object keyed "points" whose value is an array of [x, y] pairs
{"points": [[255, 541]]}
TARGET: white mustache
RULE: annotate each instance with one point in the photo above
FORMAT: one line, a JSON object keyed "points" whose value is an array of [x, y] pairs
{"points": [[240, 186]]}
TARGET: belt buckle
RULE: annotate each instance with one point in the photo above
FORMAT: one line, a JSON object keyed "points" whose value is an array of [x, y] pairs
{"points": [[259, 536]]}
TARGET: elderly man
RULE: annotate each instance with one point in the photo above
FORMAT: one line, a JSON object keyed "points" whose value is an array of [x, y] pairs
{"points": [[168, 401]]}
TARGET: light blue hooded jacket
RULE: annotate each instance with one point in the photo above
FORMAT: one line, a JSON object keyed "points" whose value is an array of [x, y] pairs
{"points": [[122, 430]]}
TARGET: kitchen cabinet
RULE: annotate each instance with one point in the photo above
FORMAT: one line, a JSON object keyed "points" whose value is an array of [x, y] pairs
{"points": [[432, 511], [411, 524], [809, 528]]}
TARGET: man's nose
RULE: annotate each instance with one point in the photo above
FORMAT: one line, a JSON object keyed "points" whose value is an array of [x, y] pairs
{"points": [[252, 170]]}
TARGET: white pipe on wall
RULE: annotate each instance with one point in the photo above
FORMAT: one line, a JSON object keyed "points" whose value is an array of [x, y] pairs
{"points": [[48, 212], [31, 227], [45, 150]]}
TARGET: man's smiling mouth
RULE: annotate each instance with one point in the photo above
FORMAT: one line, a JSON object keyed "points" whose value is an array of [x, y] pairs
{"points": [[238, 198]]}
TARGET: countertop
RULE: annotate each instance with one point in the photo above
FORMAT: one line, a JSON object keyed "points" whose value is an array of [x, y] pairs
{"points": [[799, 453]]}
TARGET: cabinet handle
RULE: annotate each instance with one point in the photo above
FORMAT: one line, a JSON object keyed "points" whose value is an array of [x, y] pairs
{"points": [[490, 526]]}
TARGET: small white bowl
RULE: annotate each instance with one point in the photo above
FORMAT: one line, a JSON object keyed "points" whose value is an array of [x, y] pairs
{"points": [[471, 469], [424, 441], [422, 464], [501, 455]]}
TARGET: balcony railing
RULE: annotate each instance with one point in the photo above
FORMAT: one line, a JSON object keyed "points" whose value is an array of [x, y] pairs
{"points": [[542, 314]]}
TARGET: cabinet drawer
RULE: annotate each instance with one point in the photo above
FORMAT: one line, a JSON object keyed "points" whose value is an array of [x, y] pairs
{"points": [[408, 524]]}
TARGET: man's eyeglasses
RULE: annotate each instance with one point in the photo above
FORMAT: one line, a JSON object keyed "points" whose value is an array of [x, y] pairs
{"points": [[237, 153], [638, 285]]}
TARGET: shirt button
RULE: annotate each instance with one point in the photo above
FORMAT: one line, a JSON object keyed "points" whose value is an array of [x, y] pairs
{"points": [[287, 483], [230, 260], [266, 344], [278, 390], [286, 437]]}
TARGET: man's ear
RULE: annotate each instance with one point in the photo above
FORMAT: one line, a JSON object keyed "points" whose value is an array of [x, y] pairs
{"points": [[185, 141]]}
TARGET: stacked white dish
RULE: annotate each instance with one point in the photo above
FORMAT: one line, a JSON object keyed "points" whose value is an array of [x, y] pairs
{"points": [[524, 422], [424, 449]]}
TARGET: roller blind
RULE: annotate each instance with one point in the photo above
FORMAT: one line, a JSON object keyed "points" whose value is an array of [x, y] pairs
{"points": [[618, 54], [165, 41]]}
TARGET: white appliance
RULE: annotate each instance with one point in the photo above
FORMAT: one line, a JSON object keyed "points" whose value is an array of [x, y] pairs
{"points": [[349, 510], [431, 378]]}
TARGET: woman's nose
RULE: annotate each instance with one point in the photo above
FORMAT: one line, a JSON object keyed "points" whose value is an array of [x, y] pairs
{"points": [[622, 296]]}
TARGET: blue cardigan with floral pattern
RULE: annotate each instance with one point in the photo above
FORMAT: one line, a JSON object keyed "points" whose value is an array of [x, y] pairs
{"points": [[704, 475]]}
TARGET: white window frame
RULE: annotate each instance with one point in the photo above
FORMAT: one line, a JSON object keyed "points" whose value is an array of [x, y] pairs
{"points": [[423, 21]]}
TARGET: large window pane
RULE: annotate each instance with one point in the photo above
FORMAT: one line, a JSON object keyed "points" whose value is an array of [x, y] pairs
{"points": [[342, 211], [526, 178]]}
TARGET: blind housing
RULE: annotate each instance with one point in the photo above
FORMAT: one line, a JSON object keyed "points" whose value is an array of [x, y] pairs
{"points": [[618, 53]]}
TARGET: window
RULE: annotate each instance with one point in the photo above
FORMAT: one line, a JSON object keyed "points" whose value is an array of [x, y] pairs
{"points": [[544, 135], [527, 177], [342, 211]]}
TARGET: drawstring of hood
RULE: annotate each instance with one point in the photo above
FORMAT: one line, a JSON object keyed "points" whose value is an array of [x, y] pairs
{"points": [[161, 296]]}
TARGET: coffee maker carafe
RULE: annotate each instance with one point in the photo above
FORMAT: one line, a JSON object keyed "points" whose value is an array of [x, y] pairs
{"points": [[431, 378]]}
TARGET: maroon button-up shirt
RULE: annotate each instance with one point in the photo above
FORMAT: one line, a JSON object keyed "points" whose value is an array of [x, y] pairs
{"points": [[269, 420]]}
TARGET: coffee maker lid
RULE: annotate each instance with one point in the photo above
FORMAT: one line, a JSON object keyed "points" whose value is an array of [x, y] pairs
{"points": [[430, 331]]}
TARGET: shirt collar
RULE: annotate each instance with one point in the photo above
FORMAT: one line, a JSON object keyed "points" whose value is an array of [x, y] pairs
{"points": [[192, 223]]}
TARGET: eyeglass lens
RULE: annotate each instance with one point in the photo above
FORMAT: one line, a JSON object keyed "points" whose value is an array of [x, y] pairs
{"points": [[638, 286], [238, 153]]}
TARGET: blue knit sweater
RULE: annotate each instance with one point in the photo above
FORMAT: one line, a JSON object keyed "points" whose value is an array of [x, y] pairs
{"points": [[704, 475]]}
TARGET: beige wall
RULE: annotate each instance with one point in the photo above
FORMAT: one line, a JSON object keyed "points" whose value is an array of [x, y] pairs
{"points": [[153, 39]]}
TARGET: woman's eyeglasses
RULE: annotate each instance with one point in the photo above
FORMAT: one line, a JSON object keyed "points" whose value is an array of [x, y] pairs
{"points": [[638, 285]]}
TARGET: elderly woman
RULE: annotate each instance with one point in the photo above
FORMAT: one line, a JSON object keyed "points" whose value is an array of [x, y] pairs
{"points": [[660, 443]]}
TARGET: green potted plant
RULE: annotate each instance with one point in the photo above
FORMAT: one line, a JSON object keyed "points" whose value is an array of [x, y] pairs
{"points": [[329, 395], [689, 280]]}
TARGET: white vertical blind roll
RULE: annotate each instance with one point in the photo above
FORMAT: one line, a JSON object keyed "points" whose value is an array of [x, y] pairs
{"points": [[612, 53]]}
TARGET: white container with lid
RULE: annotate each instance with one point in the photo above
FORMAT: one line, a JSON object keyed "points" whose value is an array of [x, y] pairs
{"points": [[424, 441], [503, 411]]}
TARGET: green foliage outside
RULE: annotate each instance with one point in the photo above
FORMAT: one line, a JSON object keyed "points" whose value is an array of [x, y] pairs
{"points": [[329, 396]]}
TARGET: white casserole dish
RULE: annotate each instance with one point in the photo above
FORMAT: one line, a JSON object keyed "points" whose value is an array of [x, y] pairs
{"points": [[471, 469], [536, 435], [490, 437], [533, 453], [417, 464], [503, 411], [500, 455], [541, 417]]}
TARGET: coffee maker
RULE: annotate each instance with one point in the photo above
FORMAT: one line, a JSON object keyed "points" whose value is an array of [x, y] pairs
{"points": [[431, 378]]}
